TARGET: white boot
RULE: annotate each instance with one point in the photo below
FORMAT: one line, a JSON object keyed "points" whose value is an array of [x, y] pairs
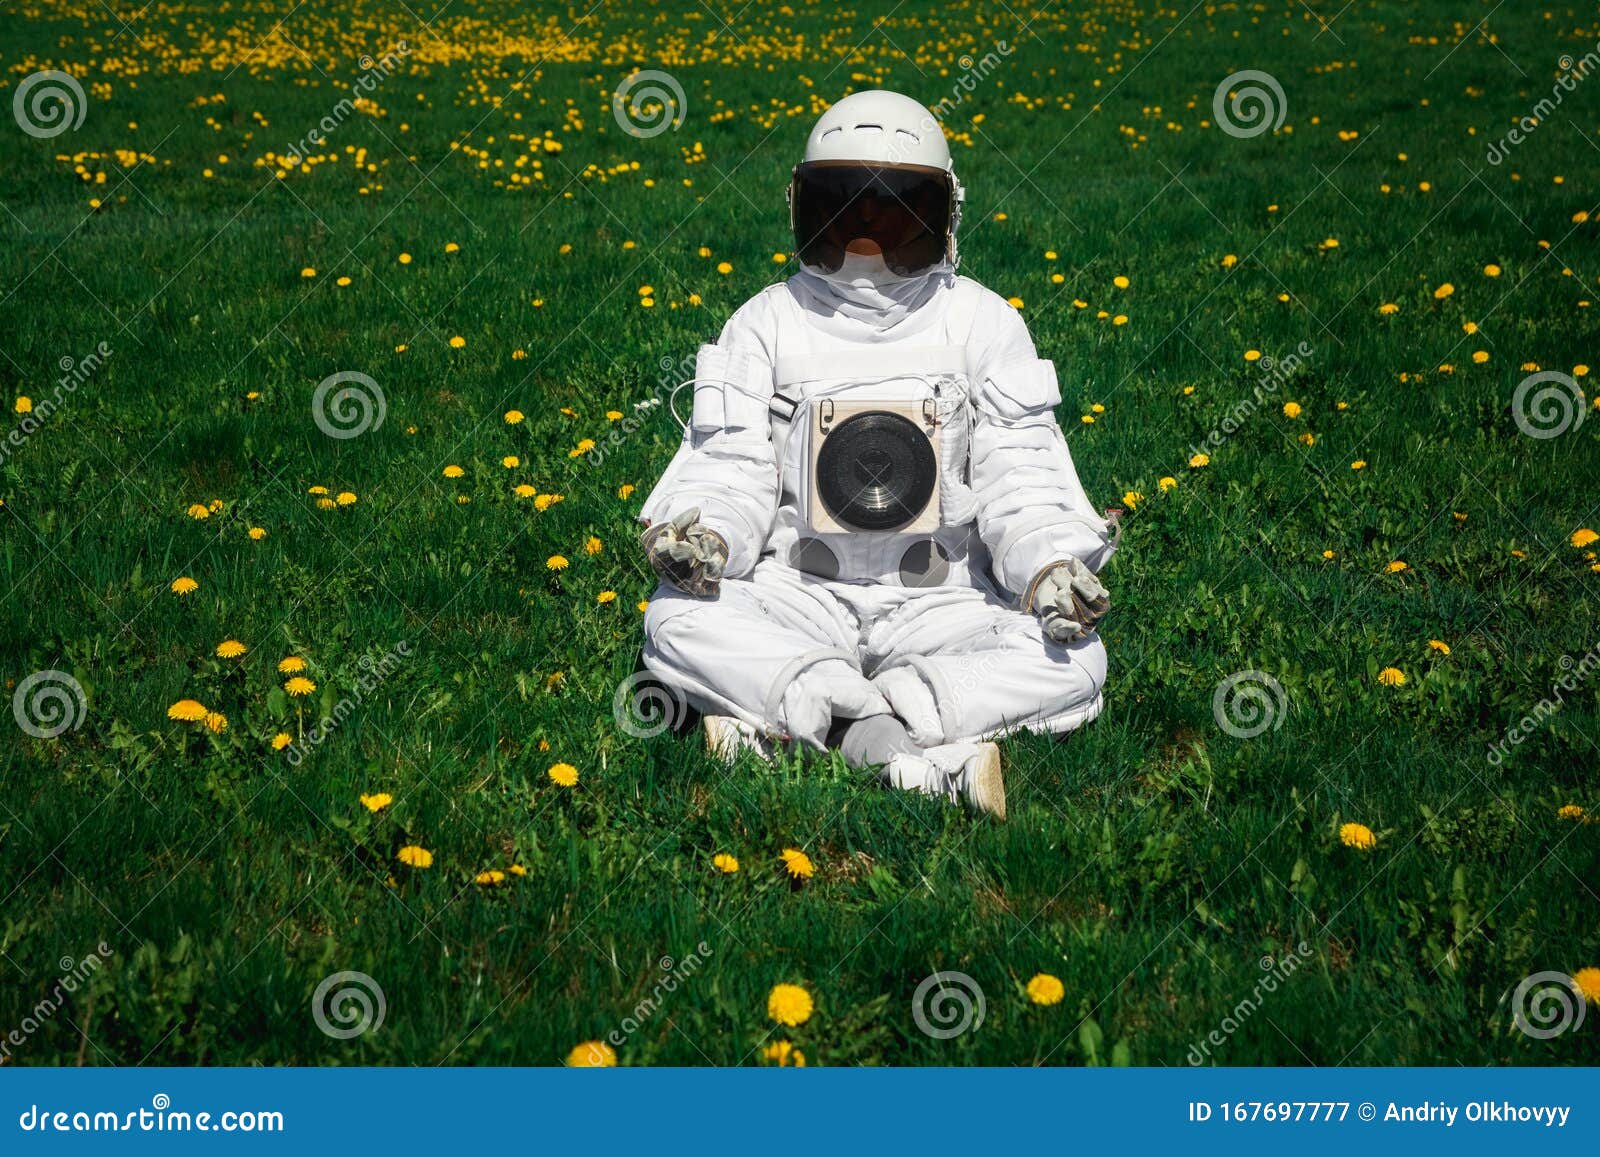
{"points": [[727, 736], [969, 772]]}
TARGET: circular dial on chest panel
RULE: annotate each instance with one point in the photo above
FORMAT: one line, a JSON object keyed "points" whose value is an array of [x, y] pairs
{"points": [[876, 471]]}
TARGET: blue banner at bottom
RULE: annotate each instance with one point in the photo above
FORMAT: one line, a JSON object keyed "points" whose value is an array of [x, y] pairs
{"points": [[885, 1110]]}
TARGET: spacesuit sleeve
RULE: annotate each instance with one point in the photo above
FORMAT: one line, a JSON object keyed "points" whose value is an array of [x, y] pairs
{"points": [[726, 465], [1032, 509]]}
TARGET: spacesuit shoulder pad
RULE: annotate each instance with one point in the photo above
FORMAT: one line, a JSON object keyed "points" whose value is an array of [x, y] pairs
{"points": [[1021, 388], [731, 389]]}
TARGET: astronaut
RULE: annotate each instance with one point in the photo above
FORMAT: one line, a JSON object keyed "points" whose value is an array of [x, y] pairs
{"points": [[872, 536]]}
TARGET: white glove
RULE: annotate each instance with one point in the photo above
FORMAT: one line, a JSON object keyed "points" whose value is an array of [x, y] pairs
{"points": [[687, 553], [1068, 599]]}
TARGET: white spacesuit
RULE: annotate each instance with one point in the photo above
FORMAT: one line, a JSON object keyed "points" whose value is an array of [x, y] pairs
{"points": [[873, 515]]}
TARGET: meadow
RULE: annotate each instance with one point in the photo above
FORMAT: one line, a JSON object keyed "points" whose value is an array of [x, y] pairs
{"points": [[334, 340]]}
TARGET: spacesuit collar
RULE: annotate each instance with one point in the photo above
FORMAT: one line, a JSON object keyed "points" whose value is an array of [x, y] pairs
{"points": [[868, 291]]}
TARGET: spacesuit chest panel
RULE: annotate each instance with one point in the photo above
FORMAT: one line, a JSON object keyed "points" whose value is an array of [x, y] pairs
{"points": [[873, 444]]}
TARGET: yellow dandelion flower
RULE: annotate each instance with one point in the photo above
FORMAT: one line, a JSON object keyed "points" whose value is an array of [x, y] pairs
{"points": [[513, 417], [517, 870], [556, 562], [292, 665], [625, 491], [1307, 439], [457, 342], [299, 686], [1359, 464], [184, 585], [230, 649], [1291, 409], [1587, 982], [784, 1055], [1439, 645], [797, 864], [511, 461], [377, 801], [591, 545], [1480, 356], [613, 415], [281, 740], [1392, 677], [405, 259], [1357, 836], [1131, 499], [725, 863], [490, 878], [317, 490], [1199, 460], [1443, 291], [308, 272], [523, 491], [1491, 270], [1252, 355], [257, 533], [187, 711], [592, 1054], [216, 722], [453, 471], [1388, 308], [1397, 566], [563, 774], [1046, 989], [606, 597], [1570, 811], [1328, 554], [413, 856], [1167, 483], [1120, 281], [24, 404], [1584, 537], [199, 512], [346, 498], [789, 1004]]}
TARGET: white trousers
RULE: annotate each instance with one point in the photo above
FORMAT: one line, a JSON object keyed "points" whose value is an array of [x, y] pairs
{"points": [[788, 653]]}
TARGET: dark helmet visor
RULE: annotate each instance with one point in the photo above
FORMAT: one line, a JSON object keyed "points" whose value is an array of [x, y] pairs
{"points": [[904, 209]]}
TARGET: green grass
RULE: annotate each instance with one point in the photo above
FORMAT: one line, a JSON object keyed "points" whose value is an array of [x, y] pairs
{"points": [[1151, 860]]}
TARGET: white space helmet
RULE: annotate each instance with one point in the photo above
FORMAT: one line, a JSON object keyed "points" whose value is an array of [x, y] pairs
{"points": [[876, 176]]}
